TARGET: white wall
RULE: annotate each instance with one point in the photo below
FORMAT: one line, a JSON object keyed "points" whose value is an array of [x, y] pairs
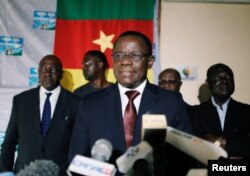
{"points": [[202, 34]]}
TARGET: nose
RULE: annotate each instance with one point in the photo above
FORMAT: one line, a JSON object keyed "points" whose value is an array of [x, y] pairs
{"points": [[224, 79], [126, 60], [48, 74]]}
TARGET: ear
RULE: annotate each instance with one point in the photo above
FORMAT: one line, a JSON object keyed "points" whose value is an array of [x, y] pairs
{"points": [[150, 62]]}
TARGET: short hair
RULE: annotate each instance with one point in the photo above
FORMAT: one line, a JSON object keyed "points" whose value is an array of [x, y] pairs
{"points": [[214, 68], [171, 70], [52, 56], [100, 56], [139, 35]]}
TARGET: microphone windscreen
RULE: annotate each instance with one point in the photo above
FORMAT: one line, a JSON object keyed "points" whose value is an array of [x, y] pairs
{"points": [[40, 168], [101, 150]]}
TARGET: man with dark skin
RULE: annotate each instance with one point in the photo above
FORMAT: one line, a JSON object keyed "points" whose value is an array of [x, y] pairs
{"points": [[101, 114], [94, 65], [223, 120], [170, 79], [24, 131]]}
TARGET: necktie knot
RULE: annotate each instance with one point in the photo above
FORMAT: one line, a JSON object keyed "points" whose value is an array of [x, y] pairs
{"points": [[48, 94], [132, 94]]}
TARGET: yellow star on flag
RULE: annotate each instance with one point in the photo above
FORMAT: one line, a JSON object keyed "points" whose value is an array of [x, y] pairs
{"points": [[104, 41]]}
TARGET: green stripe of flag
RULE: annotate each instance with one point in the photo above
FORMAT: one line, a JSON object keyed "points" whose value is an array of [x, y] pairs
{"points": [[105, 9]]}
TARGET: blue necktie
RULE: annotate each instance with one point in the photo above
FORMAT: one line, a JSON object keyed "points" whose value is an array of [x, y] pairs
{"points": [[46, 117]]}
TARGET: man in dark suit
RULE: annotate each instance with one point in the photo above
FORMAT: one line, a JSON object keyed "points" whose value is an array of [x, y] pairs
{"points": [[26, 131], [222, 120], [170, 79], [101, 114]]}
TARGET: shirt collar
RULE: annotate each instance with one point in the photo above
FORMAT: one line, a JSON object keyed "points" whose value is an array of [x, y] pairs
{"points": [[54, 91], [217, 106], [140, 88]]}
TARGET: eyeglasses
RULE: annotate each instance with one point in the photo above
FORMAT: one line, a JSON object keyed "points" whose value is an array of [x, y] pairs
{"points": [[171, 81], [132, 56]]}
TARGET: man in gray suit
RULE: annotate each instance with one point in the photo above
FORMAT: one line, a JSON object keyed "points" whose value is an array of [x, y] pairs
{"points": [[27, 131]]}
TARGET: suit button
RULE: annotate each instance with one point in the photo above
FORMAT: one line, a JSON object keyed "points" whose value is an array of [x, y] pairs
{"points": [[42, 150]]}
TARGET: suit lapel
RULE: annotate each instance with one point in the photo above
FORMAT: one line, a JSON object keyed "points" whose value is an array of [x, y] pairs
{"points": [[112, 103], [150, 97], [230, 119], [60, 109], [34, 107], [213, 117]]}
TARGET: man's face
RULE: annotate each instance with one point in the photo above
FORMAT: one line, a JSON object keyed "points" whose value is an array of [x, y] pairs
{"points": [[50, 73], [221, 84], [131, 72], [169, 81], [90, 67]]}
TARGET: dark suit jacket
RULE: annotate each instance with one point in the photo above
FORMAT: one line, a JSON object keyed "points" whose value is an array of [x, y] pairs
{"points": [[24, 131], [100, 116], [205, 120]]}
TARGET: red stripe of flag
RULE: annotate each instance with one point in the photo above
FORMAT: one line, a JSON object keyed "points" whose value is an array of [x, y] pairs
{"points": [[75, 37]]}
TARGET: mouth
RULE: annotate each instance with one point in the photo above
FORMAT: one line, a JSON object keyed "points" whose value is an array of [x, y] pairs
{"points": [[224, 88], [127, 73], [48, 80]]}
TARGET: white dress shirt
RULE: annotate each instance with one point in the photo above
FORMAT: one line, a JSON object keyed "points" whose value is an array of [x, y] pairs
{"points": [[222, 110], [124, 98], [53, 99]]}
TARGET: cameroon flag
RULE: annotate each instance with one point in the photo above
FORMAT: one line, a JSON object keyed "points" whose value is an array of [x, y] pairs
{"points": [[84, 25]]}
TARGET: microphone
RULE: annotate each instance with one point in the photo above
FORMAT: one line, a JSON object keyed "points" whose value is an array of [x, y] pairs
{"points": [[154, 129], [41, 168], [134, 157], [199, 172], [7, 174], [197, 148], [100, 152], [154, 132], [141, 168], [86, 166]]}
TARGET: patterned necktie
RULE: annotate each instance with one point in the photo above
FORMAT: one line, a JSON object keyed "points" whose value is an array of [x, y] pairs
{"points": [[130, 117], [46, 117]]}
